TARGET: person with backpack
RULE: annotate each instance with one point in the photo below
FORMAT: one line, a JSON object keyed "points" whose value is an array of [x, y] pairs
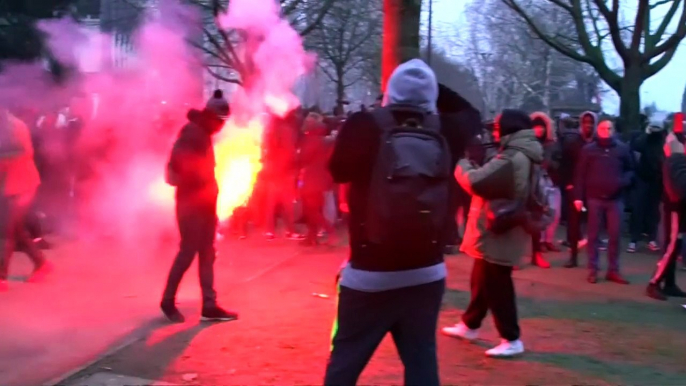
{"points": [[191, 170], [605, 171], [397, 162], [508, 176]]}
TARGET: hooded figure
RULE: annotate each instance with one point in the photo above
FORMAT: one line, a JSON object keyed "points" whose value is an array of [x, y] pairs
{"points": [[495, 255], [645, 213], [191, 171], [381, 288], [571, 143]]}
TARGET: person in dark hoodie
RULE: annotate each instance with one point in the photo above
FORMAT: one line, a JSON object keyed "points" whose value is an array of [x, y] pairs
{"points": [[571, 142], [382, 289], [506, 176], [605, 171], [191, 170], [645, 214], [663, 282]]}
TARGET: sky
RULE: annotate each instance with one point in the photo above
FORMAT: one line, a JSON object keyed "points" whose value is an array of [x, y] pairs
{"points": [[665, 88]]}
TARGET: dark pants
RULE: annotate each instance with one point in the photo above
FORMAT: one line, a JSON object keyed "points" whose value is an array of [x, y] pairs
{"points": [[573, 225], [280, 196], [364, 318], [666, 267], [313, 208], [645, 214], [14, 232], [611, 211], [492, 289], [197, 226]]}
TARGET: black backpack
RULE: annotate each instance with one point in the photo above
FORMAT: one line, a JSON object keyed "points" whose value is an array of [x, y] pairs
{"points": [[408, 197]]}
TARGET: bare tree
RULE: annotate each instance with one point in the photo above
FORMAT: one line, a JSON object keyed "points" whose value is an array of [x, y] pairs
{"points": [[347, 43], [220, 47], [643, 48], [400, 34]]}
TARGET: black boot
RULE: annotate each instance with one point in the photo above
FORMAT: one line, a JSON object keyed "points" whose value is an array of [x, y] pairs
{"points": [[572, 262], [674, 291]]}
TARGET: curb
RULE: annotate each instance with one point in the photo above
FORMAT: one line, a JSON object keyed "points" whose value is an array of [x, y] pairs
{"points": [[61, 380]]}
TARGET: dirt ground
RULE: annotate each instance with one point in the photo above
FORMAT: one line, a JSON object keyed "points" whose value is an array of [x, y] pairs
{"points": [[575, 333]]}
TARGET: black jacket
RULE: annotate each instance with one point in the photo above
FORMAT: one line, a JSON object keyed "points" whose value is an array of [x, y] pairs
{"points": [[649, 167], [605, 170], [571, 143], [191, 164], [352, 161], [674, 177]]}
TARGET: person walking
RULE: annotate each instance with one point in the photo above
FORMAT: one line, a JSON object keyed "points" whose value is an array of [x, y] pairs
{"points": [[19, 181], [605, 171], [394, 279], [191, 171], [506, 176]]}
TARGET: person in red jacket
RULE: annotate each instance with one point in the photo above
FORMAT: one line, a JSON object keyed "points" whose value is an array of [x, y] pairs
{"points": [[19, 181], [315, 152]]}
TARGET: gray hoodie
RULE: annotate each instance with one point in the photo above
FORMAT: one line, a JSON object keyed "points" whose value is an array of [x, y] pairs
{"points": [[413, 83]]}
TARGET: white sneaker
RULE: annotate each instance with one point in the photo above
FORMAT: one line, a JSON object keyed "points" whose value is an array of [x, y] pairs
{"points": [[460, 330], [582, 243], [506, 349]]}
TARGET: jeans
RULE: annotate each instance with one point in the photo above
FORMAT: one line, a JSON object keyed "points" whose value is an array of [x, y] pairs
{"points": [[492, 289], [197, 226], [645, 214], [612, 211], [364, 318], [14, 232], [548, 235]]}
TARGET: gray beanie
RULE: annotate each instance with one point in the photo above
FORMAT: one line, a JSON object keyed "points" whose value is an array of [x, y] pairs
{"points": [[218, 105]]}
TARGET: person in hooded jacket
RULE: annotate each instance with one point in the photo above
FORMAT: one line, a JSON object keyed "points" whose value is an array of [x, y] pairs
{"points": [[543, 128], [316, 180], [572, 142], [495, 255], [605, 172], [381, 290], [191, 170], [645, 214]]}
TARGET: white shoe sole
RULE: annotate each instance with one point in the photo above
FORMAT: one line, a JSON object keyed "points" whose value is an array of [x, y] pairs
{"points": [[458, 336], [206, 319], [503, 356]]}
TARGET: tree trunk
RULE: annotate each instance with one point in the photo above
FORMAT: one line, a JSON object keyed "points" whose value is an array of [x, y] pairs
{"points": [[400, 35], [340, 91], [630, 101]]}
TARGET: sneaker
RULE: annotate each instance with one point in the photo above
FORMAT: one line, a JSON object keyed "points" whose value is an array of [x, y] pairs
{"points": [[674, 292], [172, 313], [217, 314], [653, 246], [506, 349], [602, 245], [571, 263], [39, 274], [582, 243], [540, 261], [653, 291], [631, 248], [3, 286], [616, 278], [269, 236], [461, 331], [294, 236]]}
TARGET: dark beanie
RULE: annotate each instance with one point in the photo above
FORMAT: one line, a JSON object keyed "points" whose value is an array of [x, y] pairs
{"points": [[512, 121], [218, 105]]}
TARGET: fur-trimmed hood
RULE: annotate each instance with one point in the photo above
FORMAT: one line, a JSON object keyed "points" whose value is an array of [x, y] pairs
{"points": [[550, 134]]}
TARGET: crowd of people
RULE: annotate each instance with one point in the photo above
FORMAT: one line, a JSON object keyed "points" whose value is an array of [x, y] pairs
{"points": [[398, 172]]}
